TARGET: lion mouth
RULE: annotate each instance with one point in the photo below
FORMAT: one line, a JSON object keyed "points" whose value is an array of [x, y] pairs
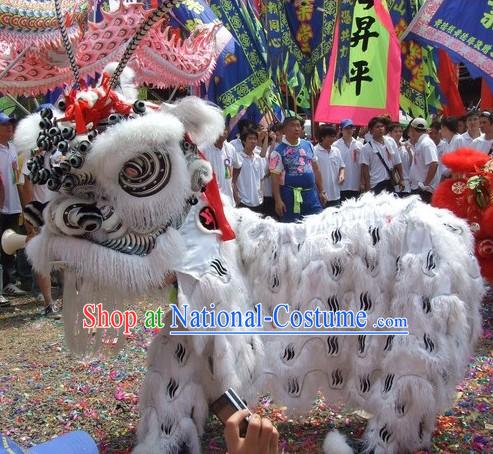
{"points": [[135, 244]]}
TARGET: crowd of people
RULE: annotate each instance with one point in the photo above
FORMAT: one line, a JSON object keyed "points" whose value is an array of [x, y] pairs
{"points": [[16, 190], [279, 173], [274, 171]]}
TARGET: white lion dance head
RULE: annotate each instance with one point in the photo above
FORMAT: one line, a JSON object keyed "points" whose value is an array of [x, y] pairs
{"points": [[124, 174]]}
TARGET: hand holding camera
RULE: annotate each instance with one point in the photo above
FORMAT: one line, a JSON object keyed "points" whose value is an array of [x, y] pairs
{"points": [[244, 433], [261, 436]]}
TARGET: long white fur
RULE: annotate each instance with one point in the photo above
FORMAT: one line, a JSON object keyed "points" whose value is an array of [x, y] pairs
{"points": [[127, 87], [302, 257], [26, 134], [335, 443], [202, 120]]}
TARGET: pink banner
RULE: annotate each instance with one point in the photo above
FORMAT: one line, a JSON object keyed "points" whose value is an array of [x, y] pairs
{"points": [[385, 76]]}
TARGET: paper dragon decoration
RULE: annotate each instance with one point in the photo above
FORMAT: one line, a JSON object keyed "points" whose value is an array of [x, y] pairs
{"points": [[33, 59], [135, 203]]}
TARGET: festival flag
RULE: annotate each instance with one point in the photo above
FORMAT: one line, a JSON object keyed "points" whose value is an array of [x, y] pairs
{"points": [[420, 87], [375, 66], [464, 28], [486, 96], [448, 74], [241, 76], [299, 40]]}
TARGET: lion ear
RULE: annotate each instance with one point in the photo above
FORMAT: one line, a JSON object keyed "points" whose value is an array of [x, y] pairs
{"points": [[201, 174], [203, 121]]}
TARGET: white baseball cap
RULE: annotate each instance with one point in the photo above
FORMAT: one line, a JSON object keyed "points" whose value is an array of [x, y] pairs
{"points": [[419, 124]]}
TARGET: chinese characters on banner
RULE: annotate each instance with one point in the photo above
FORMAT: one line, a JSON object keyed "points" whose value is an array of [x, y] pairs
{"points": [[374, 70], [463, 28]]}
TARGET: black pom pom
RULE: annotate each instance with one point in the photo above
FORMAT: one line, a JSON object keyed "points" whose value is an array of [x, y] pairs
{"points": [[139, 107], [57, 172], [114, 118], [54, 131], [84, 146], [43, 176], [65, 166], [63, 146], [68, 133], [92, 134], [47, 113], [54, 184], [69, 182], [193, 201], [34, 177], [76, 160], [42, 143], [45, 123]]}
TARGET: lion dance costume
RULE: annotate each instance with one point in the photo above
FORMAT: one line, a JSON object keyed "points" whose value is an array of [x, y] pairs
{"points": [[468, 194], [135, 201]]}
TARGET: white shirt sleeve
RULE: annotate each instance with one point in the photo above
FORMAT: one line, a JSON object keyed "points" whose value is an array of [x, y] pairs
{"points": [[392, 146], [236, 160], [341, 161], [430, 153], [364, 156]]}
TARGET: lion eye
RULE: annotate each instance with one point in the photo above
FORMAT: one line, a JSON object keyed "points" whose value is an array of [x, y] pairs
{"points": [[131, 172], [146, 174]]}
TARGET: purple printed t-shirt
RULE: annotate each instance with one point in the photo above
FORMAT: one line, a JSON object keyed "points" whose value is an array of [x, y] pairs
{"points": [[295, 162]]}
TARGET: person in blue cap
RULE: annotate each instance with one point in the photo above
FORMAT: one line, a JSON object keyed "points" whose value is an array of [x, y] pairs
{"points": [[297, 185], [10, 208], [350, 149]]}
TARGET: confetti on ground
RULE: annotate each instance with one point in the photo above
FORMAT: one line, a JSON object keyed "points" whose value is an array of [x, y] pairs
{"points": [[44, 392]]}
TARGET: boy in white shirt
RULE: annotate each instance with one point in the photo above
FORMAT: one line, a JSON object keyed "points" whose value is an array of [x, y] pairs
{"points": [[247, 181], [449, 127], [350, 150], [441, 145], [485, 142], [223, 159], [331, 164], [379, 157], [473, 129], [243, 125], [396, 133], [11, 207], [424, 169]]}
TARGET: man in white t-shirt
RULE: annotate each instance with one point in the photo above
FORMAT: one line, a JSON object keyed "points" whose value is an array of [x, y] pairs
{"points": [[223, 159], [247, 181], [485, 142], [243, 125], [350, 150], [424, 170], [473, 129], [331, 164], [449, 127], [441, 145], [11, 206], [379, 157], [405, 152]]}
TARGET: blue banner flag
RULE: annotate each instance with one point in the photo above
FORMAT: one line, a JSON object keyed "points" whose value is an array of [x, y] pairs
{"points": [[241, 76], [420, 87], [464, 28]]}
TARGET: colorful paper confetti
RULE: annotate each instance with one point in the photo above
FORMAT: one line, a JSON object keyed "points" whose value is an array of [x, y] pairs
{"points": [[45, 392]]}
